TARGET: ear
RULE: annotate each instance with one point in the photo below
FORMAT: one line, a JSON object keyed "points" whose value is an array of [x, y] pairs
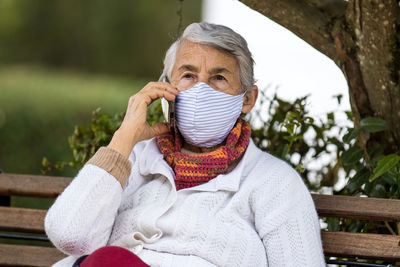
{"points": [[249, 99]]}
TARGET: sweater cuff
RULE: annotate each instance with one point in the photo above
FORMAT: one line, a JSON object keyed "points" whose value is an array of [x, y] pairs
{"points": [[113, 162]]}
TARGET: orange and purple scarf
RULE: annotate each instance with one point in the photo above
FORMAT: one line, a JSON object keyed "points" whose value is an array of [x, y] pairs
{"points": [[191, 170]]}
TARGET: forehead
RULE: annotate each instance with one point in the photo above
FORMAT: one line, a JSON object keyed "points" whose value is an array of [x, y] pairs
{"points": [[190, 53]]}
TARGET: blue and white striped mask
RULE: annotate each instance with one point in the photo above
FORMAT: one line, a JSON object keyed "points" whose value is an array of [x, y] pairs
{"points": [[205, 116]]}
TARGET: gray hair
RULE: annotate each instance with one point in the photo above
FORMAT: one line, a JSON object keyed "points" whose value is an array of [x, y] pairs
{"points": [[219, 37]]}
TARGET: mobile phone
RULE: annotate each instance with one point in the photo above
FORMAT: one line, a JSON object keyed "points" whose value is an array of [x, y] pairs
{"points": [[169, 110]]}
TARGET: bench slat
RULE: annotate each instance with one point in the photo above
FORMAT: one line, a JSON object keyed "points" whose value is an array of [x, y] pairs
{"points": [[32, 185], [365, 246], [22, 220], [17, 255], [376, 209]]}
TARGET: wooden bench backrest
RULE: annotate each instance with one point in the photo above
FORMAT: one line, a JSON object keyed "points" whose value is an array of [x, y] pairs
{"points": [[365, 246], [339, 244], [28, 220]]}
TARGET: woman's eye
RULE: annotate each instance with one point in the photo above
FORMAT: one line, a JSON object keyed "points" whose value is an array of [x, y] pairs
{"points": [[220, 77], [187, 76]]}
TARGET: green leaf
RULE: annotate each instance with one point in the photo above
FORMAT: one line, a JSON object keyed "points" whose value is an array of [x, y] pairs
{"points": [[358, 180], [354, 226], [378, 191], [368, 187], [45, 162], [384, 165], [284, 152], [289, 127], [333, 224], [352, 156], [373, 124], [351, 134], [339, 98], [389, 177], [330, 116], [308, 120], [349, 114], [300, 168], [398, 181], [375, 151]]}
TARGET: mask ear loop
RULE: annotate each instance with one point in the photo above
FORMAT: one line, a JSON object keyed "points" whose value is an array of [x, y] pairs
{"points": [[242, 115]]}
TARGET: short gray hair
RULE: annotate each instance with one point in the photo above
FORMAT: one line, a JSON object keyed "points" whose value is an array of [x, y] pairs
{"points": [[219, 37]]}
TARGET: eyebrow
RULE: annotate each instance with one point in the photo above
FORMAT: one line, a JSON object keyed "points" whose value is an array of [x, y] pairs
{"points": [[212, 71], [219, 70], [189, 68]]}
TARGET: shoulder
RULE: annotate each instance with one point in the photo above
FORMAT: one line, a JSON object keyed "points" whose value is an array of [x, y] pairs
{"points": [[277, 193], [263, 168], [273, 182]]}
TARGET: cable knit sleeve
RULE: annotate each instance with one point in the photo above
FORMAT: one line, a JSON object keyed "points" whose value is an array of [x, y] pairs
{"points": [[286, 220], [113, 162], [82, 217]]}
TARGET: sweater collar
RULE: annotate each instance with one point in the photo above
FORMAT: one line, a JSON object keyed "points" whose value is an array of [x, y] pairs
{"points": [[152, 162]]}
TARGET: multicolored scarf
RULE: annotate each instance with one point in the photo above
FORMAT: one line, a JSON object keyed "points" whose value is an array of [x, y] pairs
{"points": [[195, 169]]}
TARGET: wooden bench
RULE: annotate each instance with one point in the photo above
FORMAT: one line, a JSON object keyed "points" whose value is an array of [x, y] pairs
{"points": [[22, 221]]}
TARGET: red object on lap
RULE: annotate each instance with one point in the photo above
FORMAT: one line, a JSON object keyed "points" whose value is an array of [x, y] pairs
{"points": [[112, 256]]}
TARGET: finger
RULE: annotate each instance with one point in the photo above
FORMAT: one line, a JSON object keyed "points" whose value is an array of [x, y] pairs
{"points": [[173, 89], [151, 94], [161, 85]]}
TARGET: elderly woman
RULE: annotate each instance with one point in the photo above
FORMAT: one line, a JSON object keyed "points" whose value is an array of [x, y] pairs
{"points": [[202, 195]]}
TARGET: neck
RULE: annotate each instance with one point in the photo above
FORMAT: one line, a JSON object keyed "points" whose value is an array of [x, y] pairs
{"points": [[191, 149], [196, 149]]}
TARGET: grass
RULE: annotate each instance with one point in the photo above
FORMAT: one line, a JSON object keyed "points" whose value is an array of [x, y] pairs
{"points": [[39, 108], [45, 90]]}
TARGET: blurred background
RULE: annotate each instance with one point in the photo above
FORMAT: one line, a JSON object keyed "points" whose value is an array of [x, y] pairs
{"points": [[60, 60]]}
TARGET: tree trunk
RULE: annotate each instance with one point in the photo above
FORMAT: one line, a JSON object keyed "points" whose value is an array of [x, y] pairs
{"points": [[363, 38]]}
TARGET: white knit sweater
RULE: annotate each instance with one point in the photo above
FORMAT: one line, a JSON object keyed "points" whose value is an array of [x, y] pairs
{"points": [[259, 214]]}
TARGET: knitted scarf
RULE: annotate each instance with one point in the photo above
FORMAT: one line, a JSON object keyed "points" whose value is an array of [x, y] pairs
{"points": [[191, 170]]}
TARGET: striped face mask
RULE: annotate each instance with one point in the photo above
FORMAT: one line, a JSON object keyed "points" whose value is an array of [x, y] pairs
{"points": [[205, 116]]}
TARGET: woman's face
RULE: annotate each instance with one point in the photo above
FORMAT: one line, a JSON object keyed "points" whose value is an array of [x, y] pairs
{"points": [[202, 63]]}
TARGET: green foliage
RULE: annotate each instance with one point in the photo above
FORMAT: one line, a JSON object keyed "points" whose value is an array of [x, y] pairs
{"points": [[286, 130], [352, 155], [385, 165], [369, 172], [87, 139], [373, 125]]}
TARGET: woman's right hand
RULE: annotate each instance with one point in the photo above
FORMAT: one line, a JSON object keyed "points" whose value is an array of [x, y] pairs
{"points": [[134, 127]]}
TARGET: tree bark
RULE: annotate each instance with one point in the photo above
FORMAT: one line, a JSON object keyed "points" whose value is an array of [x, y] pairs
{"points": [[363, 38]]}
